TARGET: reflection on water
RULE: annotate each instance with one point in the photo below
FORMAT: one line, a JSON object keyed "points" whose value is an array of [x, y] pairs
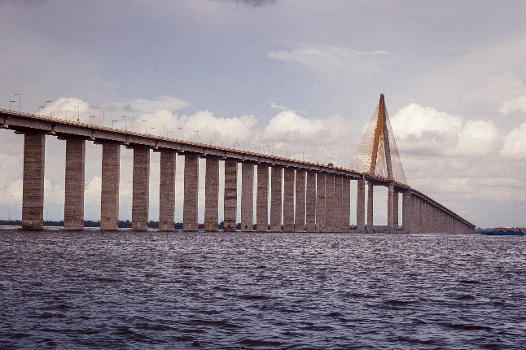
{"points": [[258, 291]]}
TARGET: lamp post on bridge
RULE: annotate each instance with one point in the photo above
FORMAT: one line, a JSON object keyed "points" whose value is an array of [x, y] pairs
{"points": [[182, 133], [19, 100], [49, 103], [112, 121], [91, 119], [11, 104], [125, 123]]}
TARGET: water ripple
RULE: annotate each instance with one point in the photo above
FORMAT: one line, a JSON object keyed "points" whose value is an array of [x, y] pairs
{"points": [[95, 290]]}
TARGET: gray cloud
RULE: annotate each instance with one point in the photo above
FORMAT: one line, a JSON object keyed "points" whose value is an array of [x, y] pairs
{"points": [[253, 3], [22, 2]]}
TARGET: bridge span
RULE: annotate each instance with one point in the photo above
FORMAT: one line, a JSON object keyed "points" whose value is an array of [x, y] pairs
{"points": [[315, 197]]}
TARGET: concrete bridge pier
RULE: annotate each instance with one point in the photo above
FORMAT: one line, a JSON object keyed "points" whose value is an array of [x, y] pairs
{"points": [[390, 205], [346, 204], [275, 199], [337, 203], [141, 188], [406, 212], [211, 193], [191, 187], [329, 203], [247, 196], [395, 209], [167, 190], [230, 196], [109, 198], [310, 205], [288, 199], [320, 201], [262, 198], [300, 200], [427, 217], [443, 222], [74, 184], [370, 206], [33, 181], [360, 205]]}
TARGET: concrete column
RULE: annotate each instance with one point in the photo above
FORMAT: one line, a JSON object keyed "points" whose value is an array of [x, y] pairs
{"points": [[422, 217], [191, 188], [329, 203], [395, 209], [288, 200], [230, 200], [320, 202], [443, 222], [33, 181], [141, 188], [109, 198], [337, 204], [360, 205], [167, 190], [416, 215], [247, 197], [433, 219], [390, 205], [275, 199], [211, 193], [310, 205], [262, 199], [370, 206], [427, 217], [300, 201], [346, 204], [74, 184], [406, 212]]}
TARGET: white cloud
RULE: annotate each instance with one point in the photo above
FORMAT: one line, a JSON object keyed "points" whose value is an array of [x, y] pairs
{"points": [[515, 104], [425, 130], [140, 106], [334, 58], [53, 193], [515, 143], [65, 108], [12, 193]]}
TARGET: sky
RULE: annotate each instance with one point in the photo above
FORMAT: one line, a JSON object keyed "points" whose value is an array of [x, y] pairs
{"points": [[298, 78]]}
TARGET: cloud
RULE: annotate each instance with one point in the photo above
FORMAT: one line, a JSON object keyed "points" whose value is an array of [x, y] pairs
{"points": [[466, 164], [425, 130], [140, 106], [12, 193], [22, 2], [516, 104], [334, 58], [503, 87], [253, 3], [515, 143], [65, 108]]}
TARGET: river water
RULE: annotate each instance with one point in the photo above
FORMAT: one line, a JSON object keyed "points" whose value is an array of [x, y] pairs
{"points": [[126, 290]]}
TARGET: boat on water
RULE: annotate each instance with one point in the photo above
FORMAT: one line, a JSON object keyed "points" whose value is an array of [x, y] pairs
{"points": [[504, 231]]}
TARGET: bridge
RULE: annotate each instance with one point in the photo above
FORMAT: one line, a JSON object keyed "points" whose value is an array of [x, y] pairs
{"points": [[315, 197]]}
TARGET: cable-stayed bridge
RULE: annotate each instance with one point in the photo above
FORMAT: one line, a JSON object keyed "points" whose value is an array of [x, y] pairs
{"points": [[291, 195]]}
